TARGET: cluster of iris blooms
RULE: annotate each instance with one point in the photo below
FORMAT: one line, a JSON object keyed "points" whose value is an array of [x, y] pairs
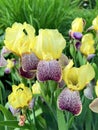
{"points": [[41, 57]]}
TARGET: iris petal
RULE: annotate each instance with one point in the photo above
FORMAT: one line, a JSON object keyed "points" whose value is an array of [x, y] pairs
{"points": [[27, 74], [70, 100], [94, 105], [29, 62], [49, 70]]}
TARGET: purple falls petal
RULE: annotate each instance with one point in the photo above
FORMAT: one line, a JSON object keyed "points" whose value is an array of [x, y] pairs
{"points": [[70, 100], [29, 62], [49, 70], [77, 35], [27, 74], [77, 45]]}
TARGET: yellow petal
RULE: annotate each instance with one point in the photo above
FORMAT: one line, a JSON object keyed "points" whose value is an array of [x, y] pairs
{"points": [[19, 37], [20, 97], [88, 39], [86, 74], [87, 45], [95, 23], [77, 25], [77, 78], [49, 44]]}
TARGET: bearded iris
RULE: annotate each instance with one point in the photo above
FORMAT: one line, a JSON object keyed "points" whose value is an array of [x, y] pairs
{"points": [[48, 47], [77, 78], [19, 37], [20, 96]]}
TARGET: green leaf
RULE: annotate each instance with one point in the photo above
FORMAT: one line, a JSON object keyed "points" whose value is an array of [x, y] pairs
{"points": [[62, 125], [7, 113], [14, 124], [72, 50]]}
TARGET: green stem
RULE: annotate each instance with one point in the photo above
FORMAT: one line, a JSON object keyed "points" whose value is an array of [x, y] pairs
{"points": [[62, 124]]}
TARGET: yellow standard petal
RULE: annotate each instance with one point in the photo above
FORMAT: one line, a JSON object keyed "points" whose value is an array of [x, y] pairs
{"points": [[49, 44], [77, 25], [87, 44], [19, 37], [20, 97], [78, 78], [95, 23]]}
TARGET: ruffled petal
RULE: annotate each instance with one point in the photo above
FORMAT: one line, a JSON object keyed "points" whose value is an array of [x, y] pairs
{"points": [[70, 100], [49, 44], [49, 70], [19, 37], [27, 74], [29, 62]]}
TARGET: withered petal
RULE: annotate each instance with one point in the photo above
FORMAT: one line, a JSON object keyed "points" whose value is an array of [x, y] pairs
{"points": [[29, 62], [63, 60], [94, 105], [70, 100], [49, 70], [27, 74]]}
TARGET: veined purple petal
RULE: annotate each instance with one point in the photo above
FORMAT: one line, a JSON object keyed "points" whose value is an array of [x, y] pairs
{"points": [[29, 62], [70, 100], [49, 70], [27, 74]]}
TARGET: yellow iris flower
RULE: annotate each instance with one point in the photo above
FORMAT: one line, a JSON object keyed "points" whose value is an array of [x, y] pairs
{"points": [[20, 97], [49, 44], [87, 44], [77, 25], [19, 37], [77, 78], [95, 23]]}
